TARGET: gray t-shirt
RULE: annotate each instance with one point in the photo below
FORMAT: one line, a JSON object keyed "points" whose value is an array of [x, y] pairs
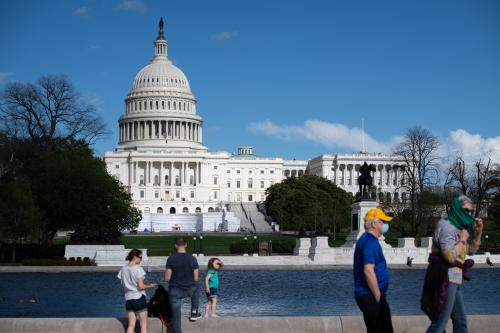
{"points": [[129, 277]]}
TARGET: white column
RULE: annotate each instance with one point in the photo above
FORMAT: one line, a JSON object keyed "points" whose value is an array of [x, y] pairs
{"points": [[159, 174], [200, 179], [344, 178], [170, 173], [181, 173], [135, 173], [201, 134], [195, 171]]}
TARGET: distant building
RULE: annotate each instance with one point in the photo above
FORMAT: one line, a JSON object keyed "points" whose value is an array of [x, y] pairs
{"points": [[161, 158]]}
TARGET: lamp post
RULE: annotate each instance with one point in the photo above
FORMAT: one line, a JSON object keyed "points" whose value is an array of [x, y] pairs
{"points": [[201, 243], [194, 246], [486, 245], [245, 249], [255, 246]]}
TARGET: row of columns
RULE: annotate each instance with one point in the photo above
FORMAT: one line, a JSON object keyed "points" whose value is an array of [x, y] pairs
{"points": [[140, 105], [160, 129], [148, 170], [292, 173], [386, 175]]}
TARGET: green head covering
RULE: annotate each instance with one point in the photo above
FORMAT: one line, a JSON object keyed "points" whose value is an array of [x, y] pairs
{"points": [[459, 217]]}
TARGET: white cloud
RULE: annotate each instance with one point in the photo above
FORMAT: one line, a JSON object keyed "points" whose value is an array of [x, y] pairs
{"points": [[329, 135], [133, 5], [472, 146], [4, 77], [82, 11], [224, 35]]}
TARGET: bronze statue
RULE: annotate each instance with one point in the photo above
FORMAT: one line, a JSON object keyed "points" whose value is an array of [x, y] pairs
{"points": [[365, 180], [161, 24]]}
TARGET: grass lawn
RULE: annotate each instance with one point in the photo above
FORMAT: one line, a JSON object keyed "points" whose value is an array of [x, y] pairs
{"points": [[162, 245]]}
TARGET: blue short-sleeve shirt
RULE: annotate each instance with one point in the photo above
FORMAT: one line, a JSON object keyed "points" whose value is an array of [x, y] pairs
{"points": [[369, 251]]}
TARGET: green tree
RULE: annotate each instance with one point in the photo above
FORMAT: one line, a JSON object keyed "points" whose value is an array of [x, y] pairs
{"points": [[20, 217], [76, 192], [308, 202]]}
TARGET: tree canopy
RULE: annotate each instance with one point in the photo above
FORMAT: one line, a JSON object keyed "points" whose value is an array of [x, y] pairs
{"points": [[308, 202]]}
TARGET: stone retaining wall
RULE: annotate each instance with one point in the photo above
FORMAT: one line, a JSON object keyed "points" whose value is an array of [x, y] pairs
{"points": [[334, 324]]}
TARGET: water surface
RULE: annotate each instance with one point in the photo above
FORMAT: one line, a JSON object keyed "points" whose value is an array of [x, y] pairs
{"points": [[242, 293]]}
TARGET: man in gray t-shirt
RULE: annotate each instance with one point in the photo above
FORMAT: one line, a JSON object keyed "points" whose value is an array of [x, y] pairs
{"points": [[182, 272]]}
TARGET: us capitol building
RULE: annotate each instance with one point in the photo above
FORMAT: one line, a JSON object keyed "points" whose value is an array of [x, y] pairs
{"points": [[178, 184]]}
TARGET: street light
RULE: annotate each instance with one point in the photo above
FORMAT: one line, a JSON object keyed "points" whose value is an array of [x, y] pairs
{"points": [[255, 245], [194, 246], [486, 245], [245, 250], [201, 243]]}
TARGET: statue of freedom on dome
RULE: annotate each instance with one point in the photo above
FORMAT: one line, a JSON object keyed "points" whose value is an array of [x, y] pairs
{"points": [[161, 24]]}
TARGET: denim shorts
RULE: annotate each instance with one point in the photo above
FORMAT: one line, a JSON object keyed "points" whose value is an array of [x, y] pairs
{"points": [[136, 305], [213, 293]]}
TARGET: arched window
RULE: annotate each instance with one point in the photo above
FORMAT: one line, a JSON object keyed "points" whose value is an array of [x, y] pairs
{"points": [[141, 180], [172, 210], [197, 210], [163, 105], [403, 197], [396, 197], [151, 105], [159, 210], [388, 198], [156, 105], [175, 105], [166, 180], [250, 183], [185, 210], [145, 105], [157, 180], [210, 209], [135, 106]]}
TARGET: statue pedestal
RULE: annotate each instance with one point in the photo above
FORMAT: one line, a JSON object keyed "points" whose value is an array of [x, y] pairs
{"points": [[359, 210], [302, 246], [320, 251]]}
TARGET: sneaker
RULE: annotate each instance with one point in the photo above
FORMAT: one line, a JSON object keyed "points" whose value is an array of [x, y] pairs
{"points": [[194, 316]]}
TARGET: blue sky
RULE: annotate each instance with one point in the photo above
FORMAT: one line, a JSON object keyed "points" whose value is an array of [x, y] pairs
{"points": [[290, 78]]}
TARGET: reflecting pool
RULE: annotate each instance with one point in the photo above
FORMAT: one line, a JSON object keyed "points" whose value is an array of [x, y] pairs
{"points": [[242, 293]]}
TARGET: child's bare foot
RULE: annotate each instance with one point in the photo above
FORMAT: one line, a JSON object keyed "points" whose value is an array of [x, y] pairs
{"points": [[215, 316]]}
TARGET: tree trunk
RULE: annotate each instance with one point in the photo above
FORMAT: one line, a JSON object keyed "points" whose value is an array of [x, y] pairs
{"points": [[14, 252]]}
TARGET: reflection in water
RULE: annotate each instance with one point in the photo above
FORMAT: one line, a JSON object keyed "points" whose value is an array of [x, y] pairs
{"points": [[242, 293]]}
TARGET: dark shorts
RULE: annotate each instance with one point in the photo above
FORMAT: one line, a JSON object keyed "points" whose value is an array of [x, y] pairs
{"points": [[212, 294], [136, 305]]}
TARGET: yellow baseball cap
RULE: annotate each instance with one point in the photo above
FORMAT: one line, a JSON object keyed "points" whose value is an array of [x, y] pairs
{"points": [[377, 213]]}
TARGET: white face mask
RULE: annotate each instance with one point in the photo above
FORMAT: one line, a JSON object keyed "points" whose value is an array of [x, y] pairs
{"points": [[385, 228]]}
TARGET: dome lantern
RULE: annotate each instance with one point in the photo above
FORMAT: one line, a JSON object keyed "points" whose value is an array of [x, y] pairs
{"points": [[160, 42]]}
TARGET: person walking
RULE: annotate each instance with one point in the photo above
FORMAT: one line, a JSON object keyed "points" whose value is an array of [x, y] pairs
{"points": [[182, 272], [371, 276], [132, 280], [442, 292], [212, 286]]}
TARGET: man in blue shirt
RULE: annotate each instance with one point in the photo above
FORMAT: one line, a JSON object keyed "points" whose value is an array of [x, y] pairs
{"points": [[182, 272], [371, 276]]}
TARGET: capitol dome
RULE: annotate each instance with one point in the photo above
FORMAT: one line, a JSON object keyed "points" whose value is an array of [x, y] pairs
{"points": [[160, 109]]}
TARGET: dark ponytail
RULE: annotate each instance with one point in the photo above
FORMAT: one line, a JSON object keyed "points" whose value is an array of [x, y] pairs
{"points": [[133, 253]]}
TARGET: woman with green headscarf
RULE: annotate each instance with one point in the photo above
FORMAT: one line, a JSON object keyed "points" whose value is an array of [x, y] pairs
{"points": [[448, 266]]}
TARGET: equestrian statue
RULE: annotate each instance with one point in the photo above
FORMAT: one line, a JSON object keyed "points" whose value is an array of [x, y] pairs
{"points": [[365, 181]]}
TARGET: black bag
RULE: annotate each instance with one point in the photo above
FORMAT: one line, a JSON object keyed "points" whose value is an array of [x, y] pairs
{"points": [[159, 306]]}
